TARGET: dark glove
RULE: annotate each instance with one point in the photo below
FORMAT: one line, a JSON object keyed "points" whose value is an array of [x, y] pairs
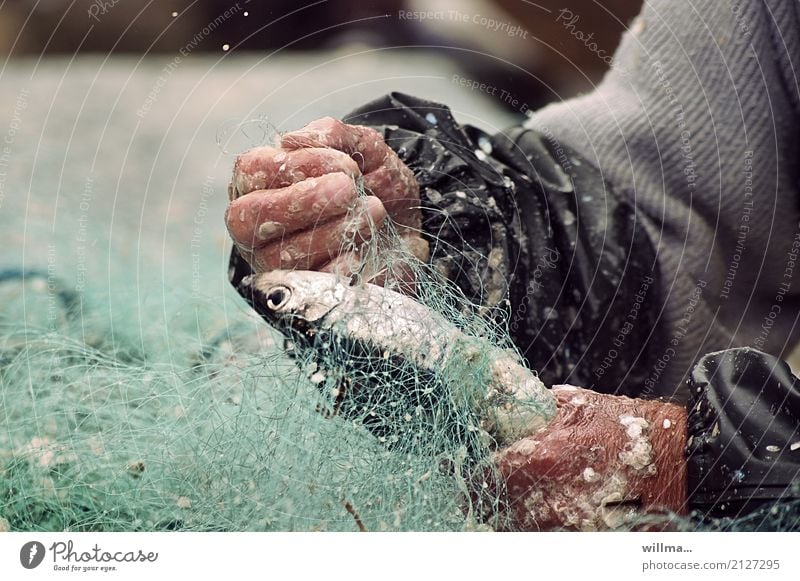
{"points": [[744, 433]]}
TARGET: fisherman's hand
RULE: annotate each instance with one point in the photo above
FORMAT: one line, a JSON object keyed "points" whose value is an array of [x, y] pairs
{"points": [[296, 206], [601, 462]]}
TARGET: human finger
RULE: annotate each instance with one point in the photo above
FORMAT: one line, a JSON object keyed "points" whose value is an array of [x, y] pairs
{"points": [[269, 168], [399, 192], [311, 248], [364, 144], [263, 215]]}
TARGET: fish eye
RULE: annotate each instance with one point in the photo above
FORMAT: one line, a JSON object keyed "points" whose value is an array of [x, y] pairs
{"points": [[277, 297]]}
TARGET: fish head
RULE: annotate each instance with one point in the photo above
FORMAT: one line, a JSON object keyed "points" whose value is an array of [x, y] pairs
{"points": [[293, 300]]}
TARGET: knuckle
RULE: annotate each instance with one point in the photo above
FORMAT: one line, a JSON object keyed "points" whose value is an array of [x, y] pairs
{"points": [[371, 133], [330, 123]]}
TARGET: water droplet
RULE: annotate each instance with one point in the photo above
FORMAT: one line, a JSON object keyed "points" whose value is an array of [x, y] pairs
{"points": [[773, 448], [431, 118], [549, 314], [246, 13], [226, 47], [174, 14]]}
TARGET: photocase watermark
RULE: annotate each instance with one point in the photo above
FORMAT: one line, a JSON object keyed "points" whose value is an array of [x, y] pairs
{"points": [[624, 331], [161, 81], [743, 229], [197, 233], [569, 20], [547, 261], [52, 287], [557, 148], [65, 557], [741, 22], [81, 239], [783, 288], [685, 136], [235, 135], [492, 24], [31, 554], [185, 51], [6, 151], [492, 90], [101, 8], [680, 332]]}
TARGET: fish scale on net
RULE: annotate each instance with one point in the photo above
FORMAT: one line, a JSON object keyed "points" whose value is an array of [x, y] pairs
{"points": [[314, 309]]}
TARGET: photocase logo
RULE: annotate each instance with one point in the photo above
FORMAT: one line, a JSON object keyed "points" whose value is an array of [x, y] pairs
{"points": [[31, 554]]}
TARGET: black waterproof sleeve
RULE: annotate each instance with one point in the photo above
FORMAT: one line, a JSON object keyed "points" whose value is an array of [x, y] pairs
{"points": [[521, 217], [517, 215], [744, 433]]}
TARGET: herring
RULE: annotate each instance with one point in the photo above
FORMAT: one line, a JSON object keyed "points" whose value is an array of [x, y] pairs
{"points": [[512, 402]]}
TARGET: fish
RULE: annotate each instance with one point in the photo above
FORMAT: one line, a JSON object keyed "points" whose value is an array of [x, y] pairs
{"points": [[318, 311]]}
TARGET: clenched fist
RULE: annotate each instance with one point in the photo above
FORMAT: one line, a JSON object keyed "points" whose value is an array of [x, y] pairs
{"points": [[601, 463], [297, 206]]}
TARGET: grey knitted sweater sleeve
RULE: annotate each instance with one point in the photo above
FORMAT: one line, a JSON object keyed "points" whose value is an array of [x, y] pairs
{"points": [[697, 125]]}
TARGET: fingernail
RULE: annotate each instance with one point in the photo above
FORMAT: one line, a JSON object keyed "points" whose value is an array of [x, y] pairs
{"points": [[233, 193]]}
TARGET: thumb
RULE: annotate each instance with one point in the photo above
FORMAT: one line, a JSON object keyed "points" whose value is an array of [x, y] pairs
{"points": [[325, 132]]}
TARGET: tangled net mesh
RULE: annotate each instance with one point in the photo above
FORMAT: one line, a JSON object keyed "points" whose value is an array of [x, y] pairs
{"points": [[106, 426]]}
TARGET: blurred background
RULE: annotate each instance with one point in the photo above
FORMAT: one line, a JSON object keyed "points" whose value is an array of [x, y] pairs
{"points": [[538, 49], [120, 120]]}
